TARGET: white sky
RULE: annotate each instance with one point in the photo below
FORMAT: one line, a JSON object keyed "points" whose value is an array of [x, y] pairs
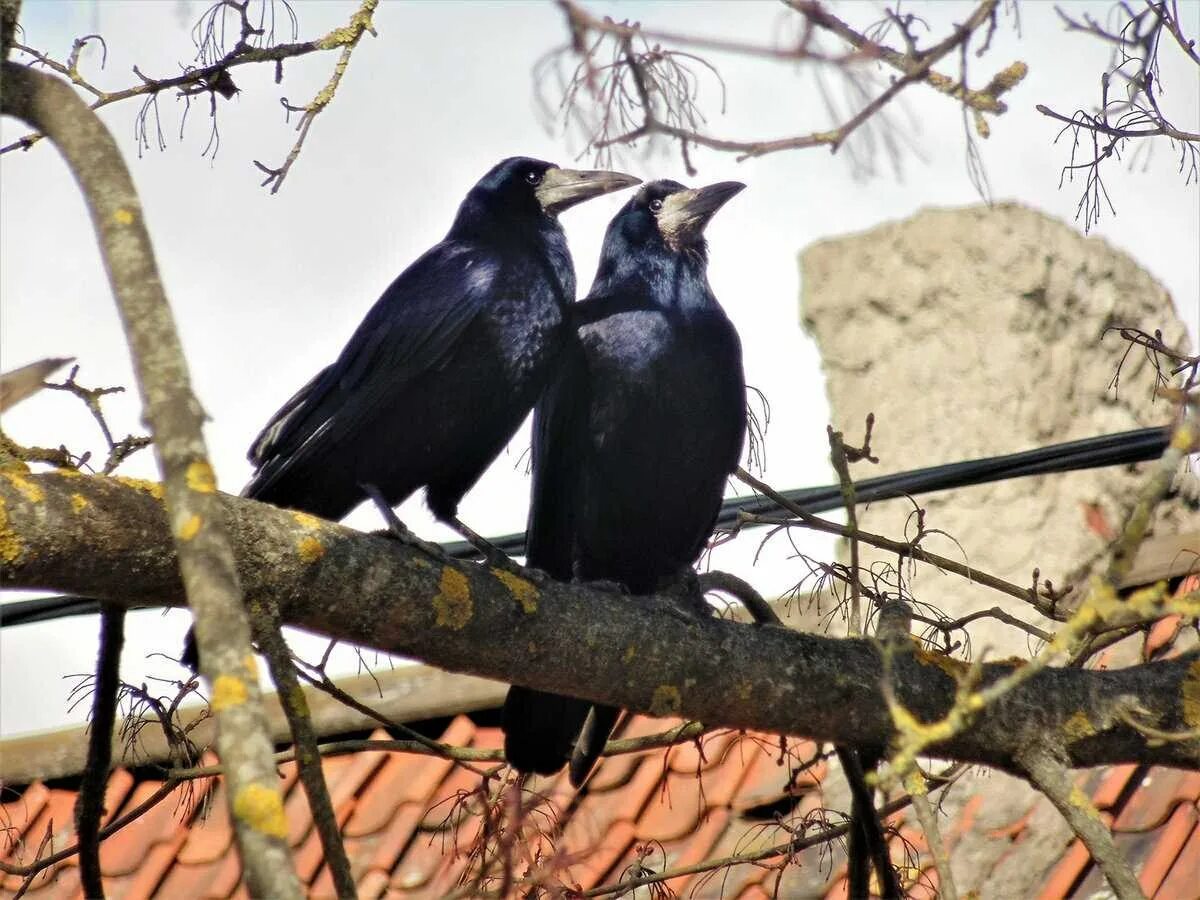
{"points": [[266, 289]]}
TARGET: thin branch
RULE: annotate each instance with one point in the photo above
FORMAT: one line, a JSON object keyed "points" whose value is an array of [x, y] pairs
{"points": [[1054, 780], [903, 549], [359, 22], [918, 789], [202, 546], [269, 636], [89, 807]]}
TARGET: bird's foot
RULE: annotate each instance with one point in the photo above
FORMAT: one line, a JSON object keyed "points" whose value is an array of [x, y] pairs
{"points": [[605, 586], [686, 596], [492, 555], [396, 529]]}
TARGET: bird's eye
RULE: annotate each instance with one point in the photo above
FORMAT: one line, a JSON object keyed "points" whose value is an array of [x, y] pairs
{"points": [[534, 178], [655, 205]]}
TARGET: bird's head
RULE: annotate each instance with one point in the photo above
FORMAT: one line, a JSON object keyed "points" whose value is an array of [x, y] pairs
{"points": [[669, 216], [520, 186]]}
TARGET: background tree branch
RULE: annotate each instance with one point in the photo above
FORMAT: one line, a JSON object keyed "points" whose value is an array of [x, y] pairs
{"points": [[644, 655], [201, 551]]}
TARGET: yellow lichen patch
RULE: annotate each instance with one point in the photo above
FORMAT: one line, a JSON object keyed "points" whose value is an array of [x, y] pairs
{"points": [[261, 808], [10, 544], [1191, 695], [228, 691], [1078, 727], [200, 478], [190, 528], [123, 216], [745, 690], [304, 520], [68, 473], [30, 490], [630, 653], [250, 664], [453, 604], [310, 549], [298, 701], [948, 664], [79, 502], [522, 590], [153, 488], [1082, 802], [665, 701]]}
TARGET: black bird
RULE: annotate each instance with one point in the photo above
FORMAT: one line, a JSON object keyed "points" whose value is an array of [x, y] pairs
{"points": [[447, 363], [635, 438]]}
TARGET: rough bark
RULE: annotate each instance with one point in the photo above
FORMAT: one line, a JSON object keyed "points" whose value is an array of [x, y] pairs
{"points": [[108, 537]]}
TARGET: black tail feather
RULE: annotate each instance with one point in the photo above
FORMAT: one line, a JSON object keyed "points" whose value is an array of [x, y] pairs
{"points": [[540, 729], [599, 725]]}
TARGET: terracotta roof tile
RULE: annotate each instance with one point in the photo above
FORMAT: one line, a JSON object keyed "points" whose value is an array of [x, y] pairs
{"points": [[695, 848], [693, 756], [1182, 876], [1112, 785], [210, 836], [373, 885], [613, 772], [375, 809], [295, 807], [65, 885], [15, 818], [599, 854], [1068, 871], [1161, 636], [126, 850], [444, 807], [1160, 791], [1167, 848], [212, 880], [683, 801], [154, 866], [397, 837], [426, 855], [54, 817], [591, 822], [1134, 847]]}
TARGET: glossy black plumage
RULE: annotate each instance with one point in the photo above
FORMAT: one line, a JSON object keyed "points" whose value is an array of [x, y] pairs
{"points": [[442, 371], [634, 440], [447, 363]]}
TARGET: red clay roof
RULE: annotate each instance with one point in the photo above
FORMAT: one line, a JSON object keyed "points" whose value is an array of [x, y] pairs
{"points": [[405, 840]]}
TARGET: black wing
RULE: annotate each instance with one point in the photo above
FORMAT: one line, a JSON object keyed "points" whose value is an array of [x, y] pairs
{"points": [[409, 330], [559, 427]]}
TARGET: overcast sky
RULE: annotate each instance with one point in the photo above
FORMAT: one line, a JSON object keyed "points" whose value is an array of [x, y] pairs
{"points": [[266, 289]]}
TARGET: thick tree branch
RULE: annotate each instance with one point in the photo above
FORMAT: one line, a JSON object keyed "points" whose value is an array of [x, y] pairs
{"points": [[196, 538], [643, 655]]}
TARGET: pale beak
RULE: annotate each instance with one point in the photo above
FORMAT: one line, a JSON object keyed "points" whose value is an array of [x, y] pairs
{"points": [[685, 214], [563, 188]]}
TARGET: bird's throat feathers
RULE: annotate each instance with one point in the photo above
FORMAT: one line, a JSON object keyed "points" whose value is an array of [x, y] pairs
{"points": [[671, 279]]}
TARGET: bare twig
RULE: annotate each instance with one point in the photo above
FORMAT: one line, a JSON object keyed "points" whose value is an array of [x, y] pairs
{"points": [[904, 549], [359, 22], [213, 75], [659, 97], [918, 789]]}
